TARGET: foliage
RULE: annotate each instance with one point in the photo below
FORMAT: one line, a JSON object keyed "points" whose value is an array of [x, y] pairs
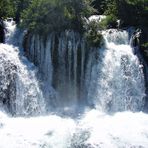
{"points": [[111, 7], [13, 8], [7, 8], [109, 22], [20, 6], [145, 45], [93, 36], [99, 5], [144, 50], [56, 15], [69, 13], [131, 12]]}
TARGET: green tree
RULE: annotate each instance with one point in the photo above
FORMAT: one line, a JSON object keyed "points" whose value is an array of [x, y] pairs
{"points": [[56, 15], [7, 9], [131, 12], [20, 5]]}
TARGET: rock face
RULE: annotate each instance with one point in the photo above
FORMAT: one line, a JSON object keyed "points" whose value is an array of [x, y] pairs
{"points": [[144, 51], [2, 33], [7, 84], [140, 37]]}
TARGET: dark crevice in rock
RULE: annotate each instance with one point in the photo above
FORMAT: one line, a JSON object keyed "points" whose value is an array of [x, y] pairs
{"points": [[2, 31]]}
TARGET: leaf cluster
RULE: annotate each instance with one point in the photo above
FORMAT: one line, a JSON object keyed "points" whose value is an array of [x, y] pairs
{"points": [[93, 36], [44, 16]]}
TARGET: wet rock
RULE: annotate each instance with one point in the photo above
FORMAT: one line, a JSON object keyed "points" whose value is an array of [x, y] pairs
{"points": [[140, 37], [2, 32]]}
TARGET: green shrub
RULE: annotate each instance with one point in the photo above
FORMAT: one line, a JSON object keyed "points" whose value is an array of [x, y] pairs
{"points": [[93, 36], [109, 22], [44, 16], [145, 45], [130, 12], [7, 8], [144, 51]]}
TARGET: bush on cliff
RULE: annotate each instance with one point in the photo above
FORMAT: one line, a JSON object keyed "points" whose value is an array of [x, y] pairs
{"points": [[144, 48], [93, 37], [130, 12], [7, 9], [43, 16], [109, 22]]}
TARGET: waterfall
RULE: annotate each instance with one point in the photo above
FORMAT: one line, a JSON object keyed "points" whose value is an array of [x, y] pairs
{"points": [[20, 90], [66, 73], [62, 67], [117, 80], [109, 78]]}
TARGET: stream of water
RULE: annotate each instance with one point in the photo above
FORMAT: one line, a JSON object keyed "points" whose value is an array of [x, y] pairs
{"points": [[115, 87]]}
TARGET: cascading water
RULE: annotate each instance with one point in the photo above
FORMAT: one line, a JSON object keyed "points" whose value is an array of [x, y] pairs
{"points": [[113, 82], [117, 80], [24, 96]]}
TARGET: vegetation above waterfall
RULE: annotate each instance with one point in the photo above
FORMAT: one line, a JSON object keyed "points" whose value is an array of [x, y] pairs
{"points": [[6, 9], [13, 8], [56, 15], [130, 12], [93, 37], [44, 16], [69, 14]]}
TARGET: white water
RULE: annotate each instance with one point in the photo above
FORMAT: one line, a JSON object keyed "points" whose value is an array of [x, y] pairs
{"points": [[93, 129], [29, 99], [117, 81], [96, 18]]}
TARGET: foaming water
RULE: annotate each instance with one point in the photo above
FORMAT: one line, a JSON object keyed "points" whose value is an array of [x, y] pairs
{"points": [[94, 130], [124, 129], [10, 31], [28, 98], [19, 86], [117, 80]]}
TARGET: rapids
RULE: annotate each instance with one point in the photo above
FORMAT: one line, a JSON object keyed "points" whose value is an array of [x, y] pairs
{"points": [[93, 130]]}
